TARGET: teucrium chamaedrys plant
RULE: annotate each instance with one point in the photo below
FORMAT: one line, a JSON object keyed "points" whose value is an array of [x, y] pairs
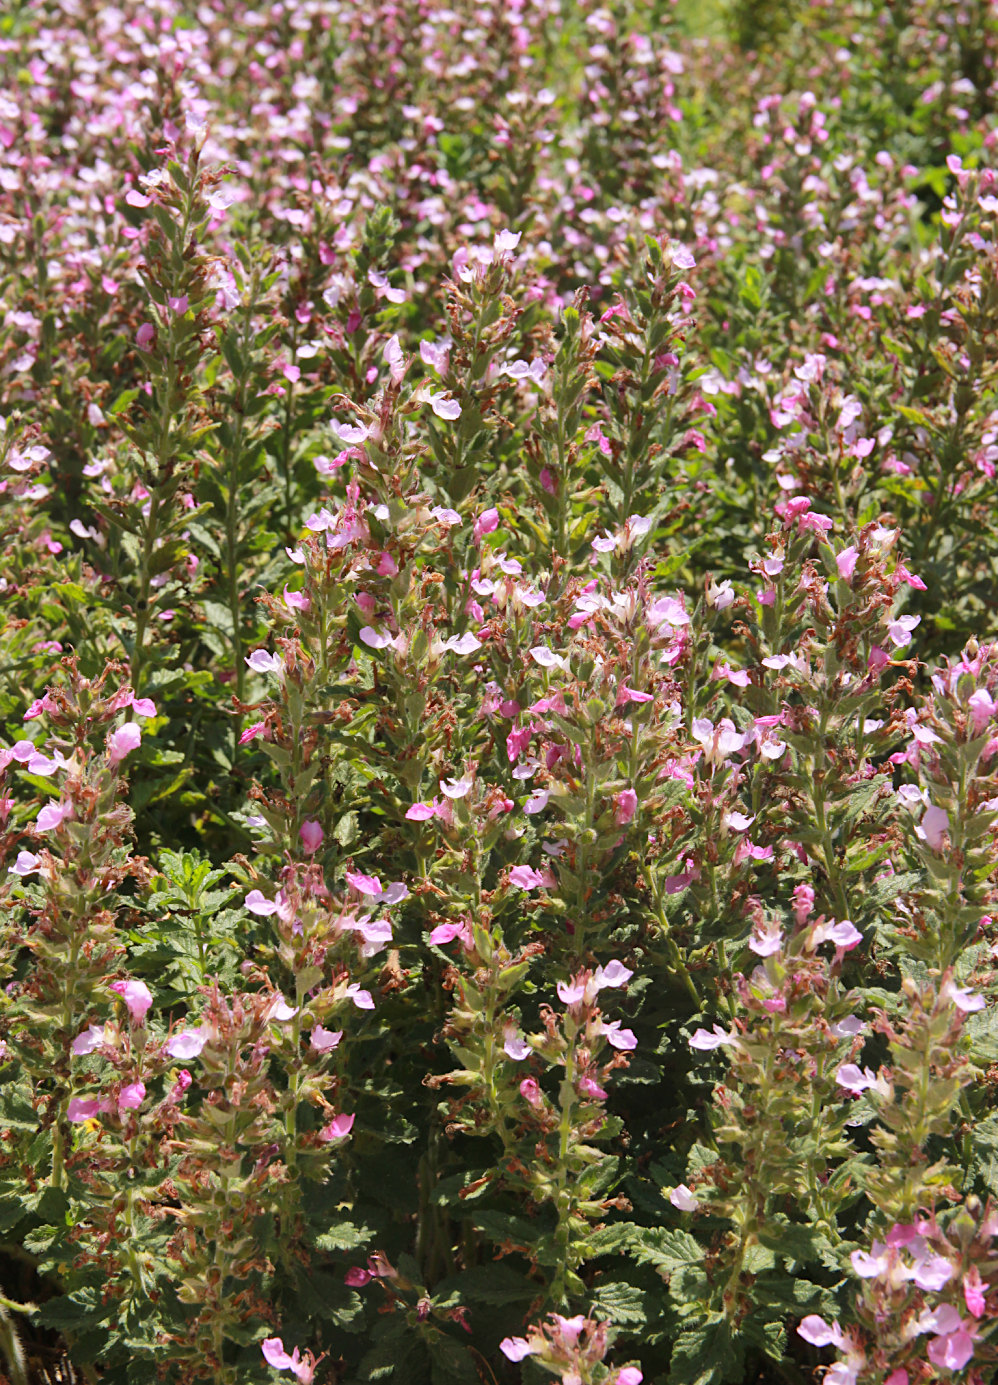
{"points": [[498, 692]]}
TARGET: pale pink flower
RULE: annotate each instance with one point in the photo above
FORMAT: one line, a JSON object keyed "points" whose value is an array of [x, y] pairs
{"points": [[52, 815], [25, 864], [703, 1040], [625, 806], [515, 1045], [123, 741], [275, 1356], [952, 1351], [486, 523], [186, 1044], [132, 1096], [324, 1040], [338, 1128], [515, 1348], [682, 1198], [82, 1108], [820, 1333], [90, 1039], [312, 836], [526, 878], [973, 1291], [136, 995], [846, 562], [623, 1039], [531, 1092], [934, 825]]}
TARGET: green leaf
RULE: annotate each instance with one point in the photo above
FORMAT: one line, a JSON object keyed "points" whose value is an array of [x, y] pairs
{"points": [[708, 1355], [622, 1303], [668, 1250]]}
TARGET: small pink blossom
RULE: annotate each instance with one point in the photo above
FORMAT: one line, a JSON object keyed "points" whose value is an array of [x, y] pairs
{"points": [[515, 1348], [952, 1351], [136, 995], [820, 1333], [123, 741], [82, 1108], [846, 562], [132, 1096], [934, 826], [275, 1356], [312, 836], [361, 998], [625, 806], [531, 1092], [338, 1128], [324, 1040], [52, 815], [973, 1292], [186, 1044], [704, 1040], [526, 878], [682, 1198], [25, 864], [486, 523]]}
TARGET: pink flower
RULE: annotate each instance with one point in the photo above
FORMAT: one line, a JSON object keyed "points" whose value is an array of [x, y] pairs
{"points": [[846, 562], [953, 1351], [136, 995], [444, 408], [132, 1096], [262, 662], [683, 1199], [186, 1044], [259, 728], [144, 336], [486, 523], [625, 806], [703, 1040], [935, 823], [515, 1046], [515, 1348], [526, 878], [364, 884], [296, 601], [338, 1128], [531, 1092], [356, 1277], [312, 836], [820, 1333], [91, 1038], [361, 998], [275, 1356], [123, 741], [623, 1039], [447, 932], [82, 1108], [766, 939], [324, 1040], [52, 815], [26, 864], [973, 1291], [628, 1375], [421, 812]]}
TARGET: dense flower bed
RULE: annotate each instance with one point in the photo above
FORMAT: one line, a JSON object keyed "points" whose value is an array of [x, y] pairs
{"points": [[499, 764]]}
